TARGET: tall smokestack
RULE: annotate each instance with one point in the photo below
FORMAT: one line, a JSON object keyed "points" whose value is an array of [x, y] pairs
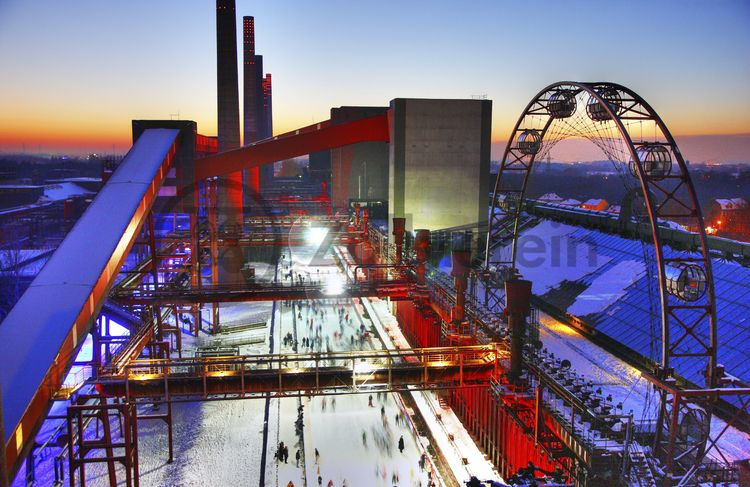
{"points": [[260, 116], [229, 194], [267, 108], [250, 103], [226, 76], [267, 170], [249, 82]]}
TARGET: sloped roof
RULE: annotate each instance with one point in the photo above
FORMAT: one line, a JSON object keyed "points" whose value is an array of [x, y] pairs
{"points": [[630, 314], [731, 203]]}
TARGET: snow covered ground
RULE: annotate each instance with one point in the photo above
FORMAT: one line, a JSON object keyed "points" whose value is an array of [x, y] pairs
{"points": [[446, 429], [221, 443]]}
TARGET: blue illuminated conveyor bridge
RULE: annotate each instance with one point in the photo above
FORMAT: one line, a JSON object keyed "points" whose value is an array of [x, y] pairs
{"points": [[41, 335]]}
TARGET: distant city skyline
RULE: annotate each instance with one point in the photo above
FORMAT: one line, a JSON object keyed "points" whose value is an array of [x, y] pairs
{"points": [[75, 74]]}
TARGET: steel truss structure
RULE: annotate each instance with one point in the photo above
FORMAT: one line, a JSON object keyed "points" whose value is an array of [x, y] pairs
{"points": [[632, 135], [237, 377]]}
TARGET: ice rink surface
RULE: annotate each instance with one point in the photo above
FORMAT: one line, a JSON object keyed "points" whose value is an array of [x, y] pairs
{"points": [[220, 443]]}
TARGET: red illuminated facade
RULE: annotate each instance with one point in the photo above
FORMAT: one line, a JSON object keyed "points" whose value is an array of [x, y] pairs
{"points": [[729, 217]]}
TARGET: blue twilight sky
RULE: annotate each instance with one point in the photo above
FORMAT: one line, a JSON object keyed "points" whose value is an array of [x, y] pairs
{"points": [[74, 73]]}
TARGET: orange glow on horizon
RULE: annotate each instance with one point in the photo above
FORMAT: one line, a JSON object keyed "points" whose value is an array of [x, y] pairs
{"points": [[82, 135]]}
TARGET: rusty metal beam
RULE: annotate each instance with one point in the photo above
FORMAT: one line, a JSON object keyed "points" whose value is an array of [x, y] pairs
{"points": [[316, 373], [263, 292], [311, 139]]}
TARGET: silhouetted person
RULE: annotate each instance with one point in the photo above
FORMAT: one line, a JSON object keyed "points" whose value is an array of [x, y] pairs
{"points": [[401, 444], [473, 482]]}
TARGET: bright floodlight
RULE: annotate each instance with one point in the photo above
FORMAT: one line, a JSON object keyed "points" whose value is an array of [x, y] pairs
{"points": [[363, 368], [315, 235], [334, 286]]}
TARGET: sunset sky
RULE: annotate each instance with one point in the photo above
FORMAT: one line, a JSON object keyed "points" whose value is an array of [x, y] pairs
{"points": [[74, 73]]}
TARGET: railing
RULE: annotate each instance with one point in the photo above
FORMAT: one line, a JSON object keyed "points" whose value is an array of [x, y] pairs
{"points": [[333, 372], [358, 361], [130, 349], [74, 380], [585, 421], [260, 291]]}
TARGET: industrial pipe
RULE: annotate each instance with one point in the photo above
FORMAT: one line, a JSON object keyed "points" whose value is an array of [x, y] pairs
{"points": [[365, 220], [461, 260], [399, 228], [517, 307], [422, 249]]}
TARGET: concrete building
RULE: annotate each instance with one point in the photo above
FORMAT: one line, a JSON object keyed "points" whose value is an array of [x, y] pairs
{"points": [[439, 162], [319, 168]]}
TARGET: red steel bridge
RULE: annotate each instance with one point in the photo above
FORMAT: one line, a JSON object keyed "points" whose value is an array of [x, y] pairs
{"points": [[516, 401]]}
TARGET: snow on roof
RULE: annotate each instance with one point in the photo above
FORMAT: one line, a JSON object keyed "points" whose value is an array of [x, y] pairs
{"points": [[627, 319], [548, 256], [550, 197], [732, 203], [63, 191], [607, 288], [671, 224], [614, 209], [570, 202], [594, 202]]}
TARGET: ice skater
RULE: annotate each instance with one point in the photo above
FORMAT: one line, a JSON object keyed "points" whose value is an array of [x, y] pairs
{"points": [[369, 401], [401, 444], [280, 452]]}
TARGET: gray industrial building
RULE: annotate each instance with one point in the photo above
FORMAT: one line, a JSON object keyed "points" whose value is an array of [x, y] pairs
{"points": [[439, 162]]}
